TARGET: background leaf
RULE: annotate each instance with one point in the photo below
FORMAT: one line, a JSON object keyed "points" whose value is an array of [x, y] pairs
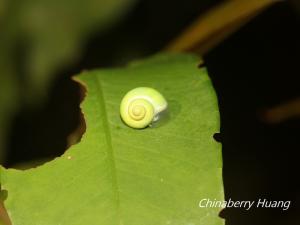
{"points": [[119, 175], [217, 24], [38, 38]]}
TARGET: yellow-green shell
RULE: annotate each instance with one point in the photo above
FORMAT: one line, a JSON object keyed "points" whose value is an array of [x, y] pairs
{"points": [[141, 106]]}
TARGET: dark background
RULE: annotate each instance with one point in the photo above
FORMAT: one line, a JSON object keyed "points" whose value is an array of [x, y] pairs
{"points": [[254, 69]]}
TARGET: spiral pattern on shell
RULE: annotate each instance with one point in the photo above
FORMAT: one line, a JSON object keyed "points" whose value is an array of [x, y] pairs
{"points": [[136, 111]]}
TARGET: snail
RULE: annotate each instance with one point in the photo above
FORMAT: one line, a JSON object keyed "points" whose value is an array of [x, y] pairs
{"points": [[142, 106]]}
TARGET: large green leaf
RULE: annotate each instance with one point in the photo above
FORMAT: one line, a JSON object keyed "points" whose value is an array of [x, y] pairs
{"points": [[122, 176]]}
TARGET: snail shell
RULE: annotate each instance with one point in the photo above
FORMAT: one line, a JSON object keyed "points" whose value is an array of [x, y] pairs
{"points": [[141, 106]]}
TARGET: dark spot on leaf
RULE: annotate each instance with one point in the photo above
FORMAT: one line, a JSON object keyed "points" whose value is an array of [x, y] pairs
{"points": [[222, 213], [217, 137], [201, 65]]}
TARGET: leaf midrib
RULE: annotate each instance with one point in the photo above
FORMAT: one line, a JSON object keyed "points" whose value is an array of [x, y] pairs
{"points": [[110, 150]]}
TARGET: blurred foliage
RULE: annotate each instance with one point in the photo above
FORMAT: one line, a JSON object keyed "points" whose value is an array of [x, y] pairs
{"points": [[38, 37], [217, 24]]}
